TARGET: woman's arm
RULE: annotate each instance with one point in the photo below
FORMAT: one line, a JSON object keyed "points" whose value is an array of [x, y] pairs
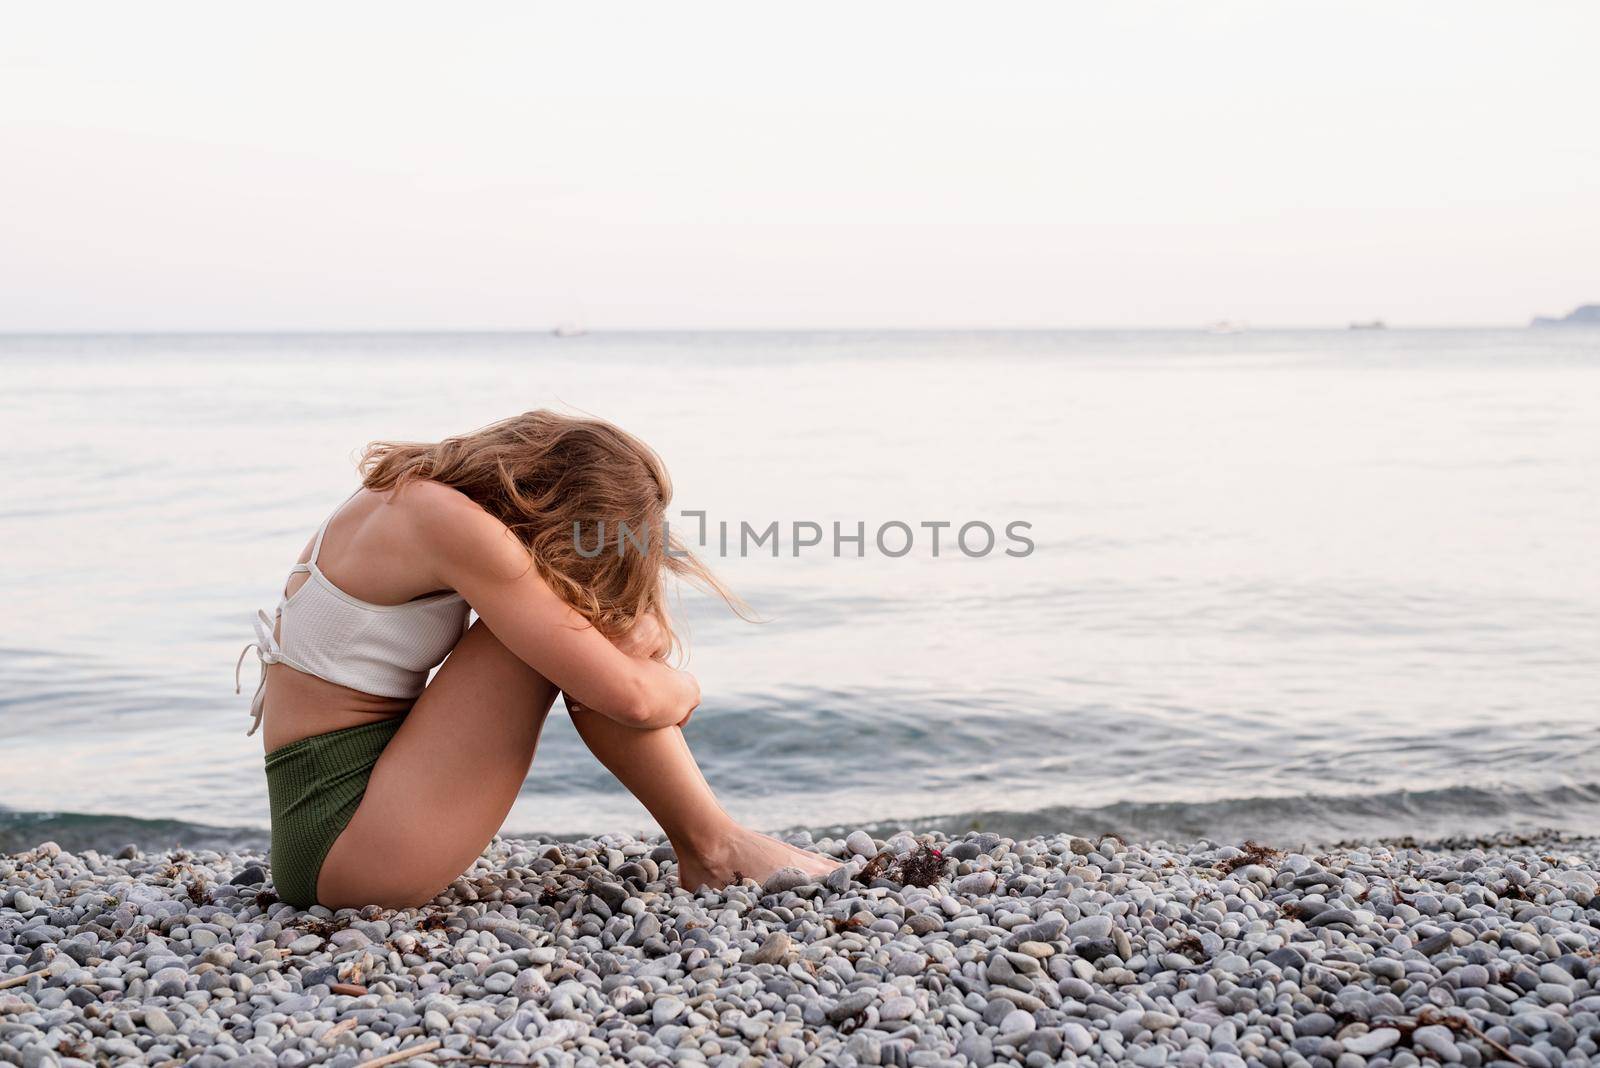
{"points": [[475, 555]]}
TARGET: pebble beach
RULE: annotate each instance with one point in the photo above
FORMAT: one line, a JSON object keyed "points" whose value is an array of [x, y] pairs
{"points": [[918, 950]]}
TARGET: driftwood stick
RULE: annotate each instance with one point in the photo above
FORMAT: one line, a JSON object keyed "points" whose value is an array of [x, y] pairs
{"points": [[1477, 1032], [338, 1029], [18, 980], [405, 1054]]}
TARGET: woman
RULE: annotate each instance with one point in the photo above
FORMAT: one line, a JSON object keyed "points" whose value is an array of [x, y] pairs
{"points": [[385, 786]]}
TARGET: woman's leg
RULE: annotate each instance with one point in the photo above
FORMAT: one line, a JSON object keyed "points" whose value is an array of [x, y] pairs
{"points": [[657, 768], [445, 782], [447, 779]]}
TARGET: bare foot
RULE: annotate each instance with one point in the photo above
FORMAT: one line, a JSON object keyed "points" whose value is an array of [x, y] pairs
{"points": [[751, 855]]}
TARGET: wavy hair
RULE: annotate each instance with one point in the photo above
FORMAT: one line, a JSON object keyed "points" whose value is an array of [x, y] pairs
{"points": [[566, 486]]}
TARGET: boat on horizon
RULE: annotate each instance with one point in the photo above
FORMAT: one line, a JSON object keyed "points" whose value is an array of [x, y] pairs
{"points": [[1371, 324], [567, 330]]}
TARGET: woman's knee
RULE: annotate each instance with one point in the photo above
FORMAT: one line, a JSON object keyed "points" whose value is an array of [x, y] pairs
{"points": [[480, 657]]}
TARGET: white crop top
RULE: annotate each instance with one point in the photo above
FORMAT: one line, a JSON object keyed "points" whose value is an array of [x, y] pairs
{"points": [[382, 649]]}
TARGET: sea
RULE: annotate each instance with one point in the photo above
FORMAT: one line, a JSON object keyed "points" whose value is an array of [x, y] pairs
{"points": [[1296, 586]]}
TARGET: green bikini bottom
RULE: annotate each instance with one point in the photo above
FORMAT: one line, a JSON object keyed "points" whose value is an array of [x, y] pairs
{"points": [[314, 786]]}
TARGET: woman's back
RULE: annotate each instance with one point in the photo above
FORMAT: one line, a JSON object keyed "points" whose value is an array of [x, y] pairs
{"points": [[361, 623]]}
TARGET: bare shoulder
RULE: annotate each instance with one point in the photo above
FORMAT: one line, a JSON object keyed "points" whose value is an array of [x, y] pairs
{"points": [[456, 530]]}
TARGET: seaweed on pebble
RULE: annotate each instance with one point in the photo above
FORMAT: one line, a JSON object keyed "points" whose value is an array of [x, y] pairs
{"points": [[923, 868], [1253, 852]]}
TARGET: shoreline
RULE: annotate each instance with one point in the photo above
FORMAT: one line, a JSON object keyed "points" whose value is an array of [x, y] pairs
{"points": [[1052, 949], [1303, 821]]}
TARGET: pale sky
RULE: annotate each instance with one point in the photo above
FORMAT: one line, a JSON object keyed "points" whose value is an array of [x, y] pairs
{"points": [[174, 166]]}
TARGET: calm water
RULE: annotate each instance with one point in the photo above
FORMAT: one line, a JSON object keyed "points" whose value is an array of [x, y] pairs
{"points": [[1300, 585]]}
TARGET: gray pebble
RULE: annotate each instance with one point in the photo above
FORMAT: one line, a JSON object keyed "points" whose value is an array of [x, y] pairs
{"points": [[851, 1005], [1437, 1040], [784, 879], [667, 1009], [1371, 1042], [773, 949], [1017, 1021], [979, 882], [860, 844], [1090, 927]]}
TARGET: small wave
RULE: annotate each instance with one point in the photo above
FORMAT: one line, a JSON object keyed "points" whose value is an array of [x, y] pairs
{"points": [[78, 831], [1457, 811], [1464, 812]]}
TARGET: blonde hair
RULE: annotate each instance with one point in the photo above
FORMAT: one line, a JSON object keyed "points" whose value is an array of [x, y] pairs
{"points": [[554, 479]]}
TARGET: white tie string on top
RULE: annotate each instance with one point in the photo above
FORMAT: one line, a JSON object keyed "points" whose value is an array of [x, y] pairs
{"points": [[385, 650], [268, 651]]}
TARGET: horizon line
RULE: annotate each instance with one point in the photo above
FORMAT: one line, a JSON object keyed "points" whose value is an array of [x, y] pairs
{"points": [[549, 331]]}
